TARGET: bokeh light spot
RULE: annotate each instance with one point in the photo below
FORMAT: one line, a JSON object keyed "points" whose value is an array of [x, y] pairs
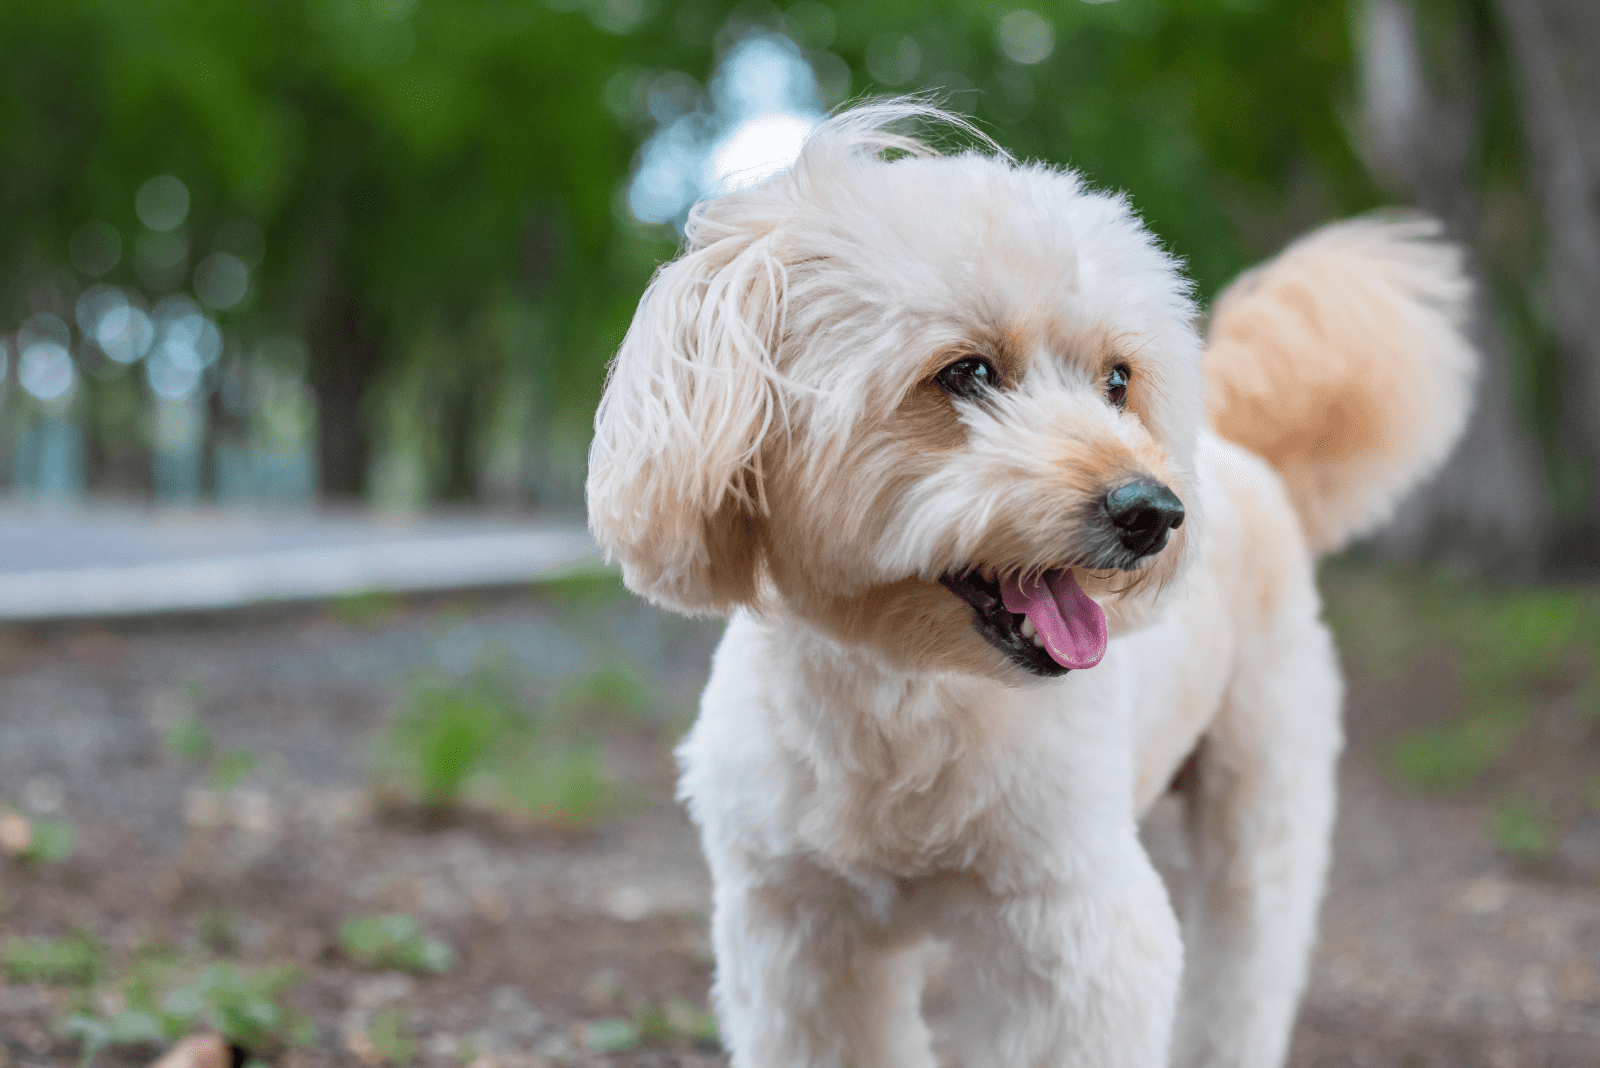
{"points": [[45, 370], [893, 60], [169, 378], [1026, 37], [95, 304], [162, 203], [764, 100], [221, 280], [124, 334]]}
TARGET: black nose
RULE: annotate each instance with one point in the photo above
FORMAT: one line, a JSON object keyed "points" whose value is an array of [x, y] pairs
{"points": [[1143, 511]]}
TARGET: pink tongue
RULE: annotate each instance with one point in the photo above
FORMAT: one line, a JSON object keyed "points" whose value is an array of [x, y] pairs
{"points": [[1072, 625]]}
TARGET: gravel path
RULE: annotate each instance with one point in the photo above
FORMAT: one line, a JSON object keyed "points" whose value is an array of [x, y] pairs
{"points": [[1436, 950]]}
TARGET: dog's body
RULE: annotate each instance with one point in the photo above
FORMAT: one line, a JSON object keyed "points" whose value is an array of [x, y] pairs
{"points": [[877, 399]]}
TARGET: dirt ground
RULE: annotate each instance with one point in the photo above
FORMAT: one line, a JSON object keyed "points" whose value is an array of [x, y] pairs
{"points": [[1437, 950]]}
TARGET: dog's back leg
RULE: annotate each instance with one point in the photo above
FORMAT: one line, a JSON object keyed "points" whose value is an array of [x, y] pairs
{"points": [[1260, 806]]}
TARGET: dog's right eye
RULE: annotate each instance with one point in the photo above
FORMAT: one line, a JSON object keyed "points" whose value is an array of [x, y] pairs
{"points": [[968, 378]]}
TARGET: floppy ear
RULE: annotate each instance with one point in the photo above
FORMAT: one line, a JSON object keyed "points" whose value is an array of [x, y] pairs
{"points": [[674, 481]]}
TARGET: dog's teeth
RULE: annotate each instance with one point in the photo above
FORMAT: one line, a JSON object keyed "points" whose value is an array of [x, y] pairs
{"points": [[1027, 628], [1037, 641]]}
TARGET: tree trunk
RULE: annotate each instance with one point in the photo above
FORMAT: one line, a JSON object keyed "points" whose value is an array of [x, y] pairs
{"points": [[1556, 44], [345, 359], [1488, 509]]}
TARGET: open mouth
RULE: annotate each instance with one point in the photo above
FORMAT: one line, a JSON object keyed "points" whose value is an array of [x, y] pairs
{"points": [[1046, 626]]}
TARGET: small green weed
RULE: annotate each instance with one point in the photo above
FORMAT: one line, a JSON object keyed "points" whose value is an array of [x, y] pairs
{"points": [[37, 841], [1449, 757], [366, 608], [53, 840], [394, 941], [1524, 829], [242, 1007], [448, 733], [230, 768], [567, 785], [678, 1019], [390, 1035], [611, 1035], [585, 586], [615, 689], [675, 1022], [189, 740], [74, 960], [457, 744], [125, 1027]]}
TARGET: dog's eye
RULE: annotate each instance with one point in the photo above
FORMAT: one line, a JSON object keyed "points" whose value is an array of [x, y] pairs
{"points": [[1117, 385], [968, 378]]}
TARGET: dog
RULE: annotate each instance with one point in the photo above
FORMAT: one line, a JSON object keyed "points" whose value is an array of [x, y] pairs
{"points": [[1008, 553]]}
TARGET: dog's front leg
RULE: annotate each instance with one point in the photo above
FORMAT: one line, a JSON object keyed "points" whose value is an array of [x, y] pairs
{"points": [[1260, 815], [806, 978], [1081, 972]]}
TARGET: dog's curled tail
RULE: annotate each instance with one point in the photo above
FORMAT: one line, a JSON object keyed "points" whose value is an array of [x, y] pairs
{"points": [[1343, 363]]}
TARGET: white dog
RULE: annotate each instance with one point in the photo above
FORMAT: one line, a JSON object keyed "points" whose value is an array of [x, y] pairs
{"points": [[1005, 561]]}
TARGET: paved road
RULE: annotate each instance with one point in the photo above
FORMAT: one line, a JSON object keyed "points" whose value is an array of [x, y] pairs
{"points": [[115, 560]]}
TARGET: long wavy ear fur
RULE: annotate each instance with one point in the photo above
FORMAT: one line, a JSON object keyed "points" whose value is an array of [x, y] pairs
{"points": [[675, 468], [675, 479]]}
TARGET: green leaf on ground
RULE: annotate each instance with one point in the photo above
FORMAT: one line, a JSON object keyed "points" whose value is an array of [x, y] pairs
{"points": [[394, 941]]}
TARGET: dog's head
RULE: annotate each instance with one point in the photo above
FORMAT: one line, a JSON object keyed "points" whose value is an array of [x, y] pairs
{"points": [[942, 407]]}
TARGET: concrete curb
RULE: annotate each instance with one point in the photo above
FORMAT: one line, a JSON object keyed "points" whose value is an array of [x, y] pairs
{"points": [[217, 581]]}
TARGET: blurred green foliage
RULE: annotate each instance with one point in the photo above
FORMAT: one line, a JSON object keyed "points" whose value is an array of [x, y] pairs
{"points": [[366, 608], [394, 941], [674, 1022], [472, 744], [158, 995], [439, 184], [1524, 829], [1526, 665], [189, 740], [52, 840], [72, 960], [390, 1035]]}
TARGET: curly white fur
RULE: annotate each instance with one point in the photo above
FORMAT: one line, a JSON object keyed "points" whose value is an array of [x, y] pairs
{"points": [[869, 773]]}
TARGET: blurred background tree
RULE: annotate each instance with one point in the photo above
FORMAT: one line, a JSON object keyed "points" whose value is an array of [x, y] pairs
{"points": [[388, 245]]}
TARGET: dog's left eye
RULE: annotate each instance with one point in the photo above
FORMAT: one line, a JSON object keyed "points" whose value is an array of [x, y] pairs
{"points": [[1117, 385], [968, 378]]}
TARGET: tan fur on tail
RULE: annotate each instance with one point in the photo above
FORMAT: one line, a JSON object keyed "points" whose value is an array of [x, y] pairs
{"points": [[1343, 363]]}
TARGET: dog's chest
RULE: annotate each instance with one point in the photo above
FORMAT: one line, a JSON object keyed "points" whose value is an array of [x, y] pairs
{"points": [[906, 791]]}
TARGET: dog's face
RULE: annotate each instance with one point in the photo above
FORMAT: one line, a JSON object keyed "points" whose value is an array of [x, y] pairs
{"points": [[942, 408]]}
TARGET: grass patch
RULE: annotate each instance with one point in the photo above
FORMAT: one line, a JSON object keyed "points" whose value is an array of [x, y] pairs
{"points": [[366, 608], [390, 1035], [189, 740], [471, 744], [43, 840], [1447, 758], [394, 941], [1504, 644], [192, 742], [585, 586], [74, 960], [164, 999], [615, 690], [674, 1023], [1524, 829]]}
